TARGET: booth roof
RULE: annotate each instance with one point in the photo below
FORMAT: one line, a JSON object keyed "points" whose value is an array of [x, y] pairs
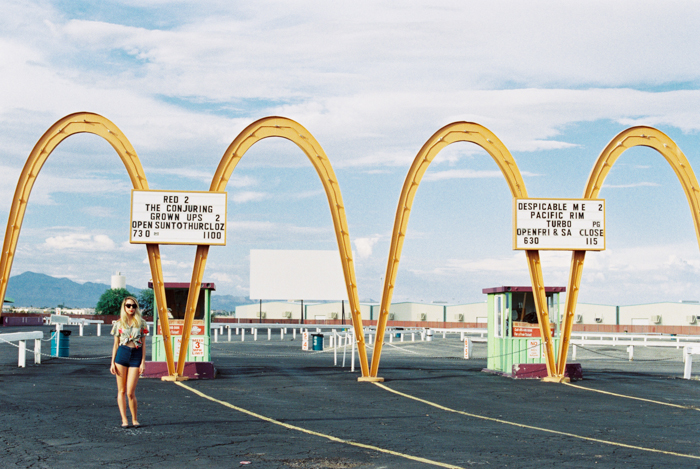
{"points": [[504, 289]]}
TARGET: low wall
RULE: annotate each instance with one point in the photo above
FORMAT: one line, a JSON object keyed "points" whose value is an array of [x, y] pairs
{"points": [[34, 319], [679, 330], [22, 321]]}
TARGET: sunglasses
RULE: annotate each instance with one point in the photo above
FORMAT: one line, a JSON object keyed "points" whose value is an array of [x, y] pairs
{"points": [[130, 305]]}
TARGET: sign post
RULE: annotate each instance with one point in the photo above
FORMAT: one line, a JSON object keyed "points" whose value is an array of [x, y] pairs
{"points": [[516, 322], [187, 218]]}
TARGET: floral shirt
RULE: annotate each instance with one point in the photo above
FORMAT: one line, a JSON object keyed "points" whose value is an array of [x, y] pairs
{"points": [[135, 334]]}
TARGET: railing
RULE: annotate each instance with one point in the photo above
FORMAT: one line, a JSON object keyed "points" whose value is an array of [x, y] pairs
{"points": [[370, 331], [688, 353], [240, 329], [467, 335], [57, 319], [651, 339], [630, 341], [22, 338]]}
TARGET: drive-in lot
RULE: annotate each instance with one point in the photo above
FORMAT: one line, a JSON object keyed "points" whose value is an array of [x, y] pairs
{"points": [[62, 413]]}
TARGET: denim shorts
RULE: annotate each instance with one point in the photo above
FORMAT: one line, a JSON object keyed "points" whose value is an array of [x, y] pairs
{"points": [[128, 357]]}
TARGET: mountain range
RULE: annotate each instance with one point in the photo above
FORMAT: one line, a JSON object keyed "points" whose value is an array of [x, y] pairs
{"points": [[44, 291]]}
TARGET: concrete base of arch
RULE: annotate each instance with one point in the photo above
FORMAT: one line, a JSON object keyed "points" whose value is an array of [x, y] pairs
{"points": [[556, 379], [174, 378], [370, 379]]}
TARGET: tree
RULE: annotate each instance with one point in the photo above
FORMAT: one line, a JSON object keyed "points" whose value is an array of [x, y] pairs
{"points": [[111, 301], [146, 302]]}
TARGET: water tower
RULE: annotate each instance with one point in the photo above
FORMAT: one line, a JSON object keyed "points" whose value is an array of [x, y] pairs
{"points": [[118, 281]]}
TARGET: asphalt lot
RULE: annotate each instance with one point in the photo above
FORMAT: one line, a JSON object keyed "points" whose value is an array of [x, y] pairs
{"points": [[63, 413]]}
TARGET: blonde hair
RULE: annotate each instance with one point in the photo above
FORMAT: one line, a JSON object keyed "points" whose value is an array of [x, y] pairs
{"points": [[124, 317]]}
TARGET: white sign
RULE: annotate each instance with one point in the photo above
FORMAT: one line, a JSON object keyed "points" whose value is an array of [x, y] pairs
{"points": [[197, 349], [467, 348], [296, 275], [533, 348], [175, 217], [196, 346], [305, 341], [559, 224]]}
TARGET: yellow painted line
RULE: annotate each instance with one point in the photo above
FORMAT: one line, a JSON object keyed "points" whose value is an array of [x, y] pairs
{"points": [[532, 427], [322, 435], [634, 397]]}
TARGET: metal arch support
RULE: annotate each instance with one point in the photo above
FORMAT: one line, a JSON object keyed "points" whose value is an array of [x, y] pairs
{"points": [[632, 137], [480, 135], [82, 122], [293, 131]]}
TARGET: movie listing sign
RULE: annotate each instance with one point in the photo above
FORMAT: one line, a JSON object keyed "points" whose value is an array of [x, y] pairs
{"points": [[177, 217], [559, 224]]}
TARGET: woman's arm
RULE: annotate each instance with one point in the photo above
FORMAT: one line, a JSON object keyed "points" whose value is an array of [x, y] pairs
{"points": [[142, 367], [112, 367], [144, 334]]}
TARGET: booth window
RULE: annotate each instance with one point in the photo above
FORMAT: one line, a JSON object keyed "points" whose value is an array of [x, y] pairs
{"points": [[499, 315]]}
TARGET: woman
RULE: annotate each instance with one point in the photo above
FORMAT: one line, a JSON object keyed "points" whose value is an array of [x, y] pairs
{"points": [[128, 356]]}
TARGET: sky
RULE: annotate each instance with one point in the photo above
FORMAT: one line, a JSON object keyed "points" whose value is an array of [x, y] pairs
{"points": [[371, 81]]}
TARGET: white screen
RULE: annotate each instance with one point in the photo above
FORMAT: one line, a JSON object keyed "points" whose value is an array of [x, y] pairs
{"points": [[296, 275]]}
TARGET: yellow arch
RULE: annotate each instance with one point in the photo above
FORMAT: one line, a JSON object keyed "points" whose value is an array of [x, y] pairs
{"points": [[293, 131], [82, 122], [632, 137], [457, 132]]}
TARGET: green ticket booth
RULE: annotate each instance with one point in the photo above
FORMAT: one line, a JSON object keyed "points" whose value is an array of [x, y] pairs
{"points": [[198, 363], [515, 346]]}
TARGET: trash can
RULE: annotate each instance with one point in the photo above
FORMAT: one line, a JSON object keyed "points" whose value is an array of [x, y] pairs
{"points": [[63, 346], [317, 341], [398, 332], [429, 335]]}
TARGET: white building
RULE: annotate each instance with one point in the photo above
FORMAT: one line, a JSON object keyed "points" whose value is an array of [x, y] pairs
{"points": [[660, 314], [652, 314]]}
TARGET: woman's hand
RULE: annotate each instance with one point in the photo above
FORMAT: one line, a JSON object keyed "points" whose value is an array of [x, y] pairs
{"points": [[113, 369], [142, 368]]}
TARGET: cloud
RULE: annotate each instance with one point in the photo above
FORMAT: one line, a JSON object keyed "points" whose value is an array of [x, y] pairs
{"points": [[306, 194], [644, 273], [49, 183], [275, 229], [543, 43], [508, 264], [461, 174], [249, 196], [221, 277], [619, 276], [365, 246], [172, 265], [201, 175], [250, 225], [636, 184], [181, 83], [81, 242], [126, 246], [348, 90], [467, 174], [357, 117], [97, 211]]}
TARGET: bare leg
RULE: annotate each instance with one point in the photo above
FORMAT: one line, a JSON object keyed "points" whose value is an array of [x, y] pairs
{"points": [[132, 380], [122, 372]]}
